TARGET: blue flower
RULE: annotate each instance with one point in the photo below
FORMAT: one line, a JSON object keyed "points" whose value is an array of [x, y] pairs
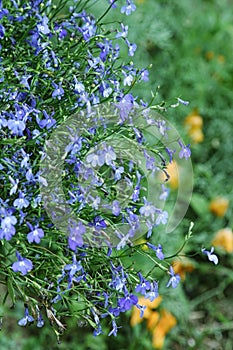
{"points": [[147, 209], [158, 250], [143, 286], [185, 151], [123, 33], [27, 318], [16, 126], [7, 233], [153, 293], [127, 302], [132, 47], [74, 267], [58, 92], [21, 202], [130, 7], [35, 235], [96, 158], [23, 265], [212, 257], [43, 26], [162, 217], [75, 238], [174, 280]]}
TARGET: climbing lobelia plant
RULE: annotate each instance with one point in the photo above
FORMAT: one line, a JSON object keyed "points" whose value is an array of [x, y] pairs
{"points": [[81, 164]]}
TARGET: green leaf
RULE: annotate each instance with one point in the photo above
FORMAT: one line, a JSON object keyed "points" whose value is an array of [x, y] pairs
{"points": [[200, 204], [11, 290]]}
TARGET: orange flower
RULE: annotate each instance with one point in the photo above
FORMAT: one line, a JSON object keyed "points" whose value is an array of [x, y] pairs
{"points": [[196, 135], [218, 206], [193, 123], [166, 322], [150, 305], [152, 320], [224, 239], [182, 266]]}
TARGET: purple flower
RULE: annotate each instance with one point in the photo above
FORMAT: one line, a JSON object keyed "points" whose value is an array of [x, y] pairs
{"points": [[74, 267], [123, 33], [162, 218], [27, 318], [8, 232], [132, 47], [96, 158], [143, 286], [8, 221], [144, 74], [2, 31], [174, 280], [130, 7], [185, 150], [165, 192], [116, 209], [170, 152], [21, 202], [35, 235], [118, 172], [148, 209], [58, 92], [109, 155], [153, 293], [78, 87], [43, 26], [125, 106], [127, 302], [75, 238], [16, 126], [212, 257], [158, 250], [23, 265]]}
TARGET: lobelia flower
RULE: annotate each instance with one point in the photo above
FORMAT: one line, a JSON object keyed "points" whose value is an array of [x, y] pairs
{"points": [[35, 235], [185, 151], [174, 280], [132, 47], [153, 293], [143, 286], [162, 217], [75, 238], [21, 202], [43, 26], [27, 318], [58, 92], [158, 250], [23, 265], [130, 7], [147, 209], [212, 257], [123, 33], [127, 302]]}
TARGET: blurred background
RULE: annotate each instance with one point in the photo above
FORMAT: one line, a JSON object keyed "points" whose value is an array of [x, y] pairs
{"points": [[188, 49]]}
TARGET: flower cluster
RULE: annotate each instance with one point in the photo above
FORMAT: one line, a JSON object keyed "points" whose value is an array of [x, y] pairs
{"points": [[78, 165]]}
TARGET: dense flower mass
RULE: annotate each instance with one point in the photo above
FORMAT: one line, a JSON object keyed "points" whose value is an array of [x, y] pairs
{"points": [[77, 164]]}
